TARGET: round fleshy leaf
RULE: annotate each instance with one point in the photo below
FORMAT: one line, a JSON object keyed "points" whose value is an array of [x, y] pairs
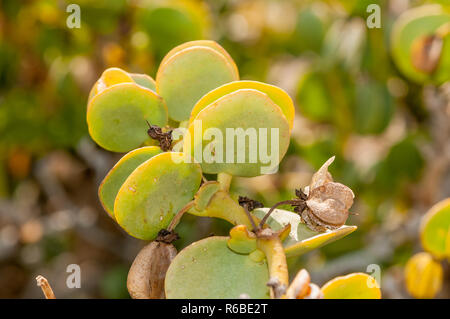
{"points": [[155, 191], [352, 286], [117, 116], [201, 43], [194, 71], [209, 269], [169, 23], [241, 241], [144, 80], [277, 95], [108, 78], [423, 276], [248, 135], [435, 230], [301, 239], [411, 26], [112, 182]]}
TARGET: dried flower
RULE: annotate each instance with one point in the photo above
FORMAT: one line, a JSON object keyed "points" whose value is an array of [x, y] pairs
{"points": [[327, 202], [323, 205], [164, 138]]}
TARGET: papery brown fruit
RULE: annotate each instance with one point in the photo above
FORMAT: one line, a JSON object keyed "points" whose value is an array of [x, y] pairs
{"points": [[322, 176], [328, 202], [148, 271]]}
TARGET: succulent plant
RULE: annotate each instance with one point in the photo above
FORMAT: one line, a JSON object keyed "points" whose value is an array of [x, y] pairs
{"points": [[150, 188]]}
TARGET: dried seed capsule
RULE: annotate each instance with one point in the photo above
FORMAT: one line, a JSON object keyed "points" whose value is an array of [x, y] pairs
{"points": [[328, 202], [148, 271]]}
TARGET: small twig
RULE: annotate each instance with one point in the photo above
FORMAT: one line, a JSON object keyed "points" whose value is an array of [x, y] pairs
{"points": [[168, 235], [299, 204], [178, 216], [285, 202], [45, 286], [255, 228]]}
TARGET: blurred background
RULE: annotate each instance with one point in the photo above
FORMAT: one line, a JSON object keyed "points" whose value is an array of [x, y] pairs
{"points": [[387, 132]]}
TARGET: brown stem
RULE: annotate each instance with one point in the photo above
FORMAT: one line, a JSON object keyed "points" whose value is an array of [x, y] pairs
{"points": [[45, 286], [178, 216], [249, 205], [285, 202], [254, 227]]}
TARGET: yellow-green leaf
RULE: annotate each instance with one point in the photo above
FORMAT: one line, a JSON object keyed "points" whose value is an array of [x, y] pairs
{"points": [[435, 230], [352, 286]]}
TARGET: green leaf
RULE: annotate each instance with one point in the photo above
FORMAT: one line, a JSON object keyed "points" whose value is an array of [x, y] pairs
{"points": [[249, 112], [277, 95], [117, 116], [209, 269], [119, 173], [242, 241], [314, 99], [170, 23], [194, 71], [155, 191], [144, 80], [374, 107], [435, 230]]}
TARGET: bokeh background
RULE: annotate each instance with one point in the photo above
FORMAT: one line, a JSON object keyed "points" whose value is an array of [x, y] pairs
{"points": [[388, 133]]}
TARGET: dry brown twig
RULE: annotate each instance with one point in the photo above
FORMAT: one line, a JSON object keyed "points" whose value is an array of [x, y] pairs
{"points": [[45, 286]]}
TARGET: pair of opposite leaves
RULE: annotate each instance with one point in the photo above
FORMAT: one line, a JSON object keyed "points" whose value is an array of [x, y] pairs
{"points": [[121, 103]]}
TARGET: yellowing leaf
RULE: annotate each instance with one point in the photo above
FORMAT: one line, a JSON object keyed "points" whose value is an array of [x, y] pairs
{"points": [[435, 230], [423, 276], [352, 286]]}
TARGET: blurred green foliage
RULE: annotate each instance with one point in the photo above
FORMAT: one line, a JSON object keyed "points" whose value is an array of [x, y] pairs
{"points": [[351, 100]]}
